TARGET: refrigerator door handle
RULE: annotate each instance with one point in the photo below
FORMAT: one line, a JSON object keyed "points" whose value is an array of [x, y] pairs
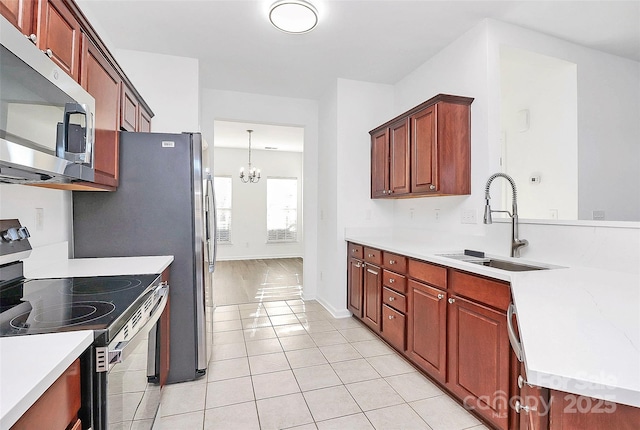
{"points": [[211, 202]]}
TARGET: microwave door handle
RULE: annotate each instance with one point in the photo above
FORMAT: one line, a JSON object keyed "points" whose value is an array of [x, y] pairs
{"points": [[62, 144]]}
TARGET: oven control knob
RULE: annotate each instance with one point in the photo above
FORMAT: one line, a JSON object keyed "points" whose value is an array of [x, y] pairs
{"points": [[10, 235]]}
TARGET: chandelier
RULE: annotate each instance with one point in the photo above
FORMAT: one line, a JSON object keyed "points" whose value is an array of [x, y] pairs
{"points": [[253, 175]]}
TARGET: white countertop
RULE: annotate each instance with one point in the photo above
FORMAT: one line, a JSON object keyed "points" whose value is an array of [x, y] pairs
{"points": [[579, 327], [30, 364], [77, 267]]}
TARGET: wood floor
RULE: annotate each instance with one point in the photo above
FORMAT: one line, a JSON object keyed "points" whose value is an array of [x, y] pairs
{"points": [[251, 281]]}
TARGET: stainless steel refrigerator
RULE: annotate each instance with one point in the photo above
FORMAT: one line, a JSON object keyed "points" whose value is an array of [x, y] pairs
{"points": [[164, 205]]}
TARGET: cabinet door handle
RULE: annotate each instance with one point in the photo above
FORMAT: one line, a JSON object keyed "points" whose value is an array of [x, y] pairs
{"points": [[370, 255], [391, 280], [520, 407], [391, 317], [440, 296], [451, 300], [358, 265], [32, 37], [390, 191], [513, 339], [384, 191], [432, 187], [391, 298], [48, 52], [520, 381]]}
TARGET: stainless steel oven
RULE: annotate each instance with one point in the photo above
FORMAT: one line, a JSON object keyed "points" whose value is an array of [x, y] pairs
{"points": [[122, 380], [120, 371]]}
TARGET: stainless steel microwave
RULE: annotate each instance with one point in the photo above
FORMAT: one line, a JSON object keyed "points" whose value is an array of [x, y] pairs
{"points": [[46, 118]]}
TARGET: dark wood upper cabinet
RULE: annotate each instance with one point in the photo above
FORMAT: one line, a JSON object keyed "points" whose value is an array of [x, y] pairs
{"points": [[399, 182], [428, 150], [59, 35], [424, 157], [380, 163], [144, 121], [102, 81], [20, 14], [128, 110]]}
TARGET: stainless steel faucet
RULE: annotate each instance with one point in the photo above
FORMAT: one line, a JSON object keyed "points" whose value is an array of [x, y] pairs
{"points": [[516, 243]]}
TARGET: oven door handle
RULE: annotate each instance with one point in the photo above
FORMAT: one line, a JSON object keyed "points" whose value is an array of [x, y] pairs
{"points": [[120, 352]]}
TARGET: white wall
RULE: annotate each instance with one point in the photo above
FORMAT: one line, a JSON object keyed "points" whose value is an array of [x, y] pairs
{"points": [[249, 202], [539, 118], [235, 106], [169, 85], [608, 111], [21, 201]]}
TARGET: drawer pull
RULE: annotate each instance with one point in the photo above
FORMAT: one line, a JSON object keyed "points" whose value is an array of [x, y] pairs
{"points": [[391, 280], [391, 317], [451, 300], [370, 255], [392, 261], [520, 407], [440, 296], [391, 298]]}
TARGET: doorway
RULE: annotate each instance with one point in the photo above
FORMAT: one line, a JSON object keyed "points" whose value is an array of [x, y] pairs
{"points": [[260, 234]]}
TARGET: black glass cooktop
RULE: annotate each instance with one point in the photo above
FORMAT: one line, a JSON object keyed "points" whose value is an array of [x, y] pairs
{"points": [[101, 303]]}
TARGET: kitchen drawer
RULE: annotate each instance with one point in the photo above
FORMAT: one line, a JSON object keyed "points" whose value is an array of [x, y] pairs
{"points": [[394, 299], [393, 327], [395, 262], [486, 291], [373, 256], [394, 281], [428, 273], [356, 251]]}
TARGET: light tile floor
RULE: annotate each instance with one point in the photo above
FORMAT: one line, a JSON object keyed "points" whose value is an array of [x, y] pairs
{"points": [[291, 365]]}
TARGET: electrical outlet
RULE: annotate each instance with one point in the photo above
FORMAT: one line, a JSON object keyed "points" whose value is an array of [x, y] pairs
{"points": [[436, 215], [598, 215], [469, 216], [39, 219]]}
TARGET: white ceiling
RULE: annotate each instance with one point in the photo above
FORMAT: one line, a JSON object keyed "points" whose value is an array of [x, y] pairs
{"points": [[231, 134], [375, 40]]}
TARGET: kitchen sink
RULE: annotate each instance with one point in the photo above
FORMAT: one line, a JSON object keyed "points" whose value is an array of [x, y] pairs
{"points": [[479, 258], [507, 265]]}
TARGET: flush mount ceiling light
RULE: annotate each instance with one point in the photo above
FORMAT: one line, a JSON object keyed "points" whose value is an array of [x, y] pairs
{"points": [[293, 16]]}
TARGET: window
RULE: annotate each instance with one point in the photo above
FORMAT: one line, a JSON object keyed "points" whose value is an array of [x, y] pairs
{"points": [[222, 187], [282, 209]]}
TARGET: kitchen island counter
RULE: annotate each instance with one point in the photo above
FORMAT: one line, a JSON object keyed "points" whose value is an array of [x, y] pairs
{"points": [[579, 327], [30, 364]]}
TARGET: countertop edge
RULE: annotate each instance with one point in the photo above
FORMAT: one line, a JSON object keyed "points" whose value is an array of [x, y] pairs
{"points": [[519, 280]]}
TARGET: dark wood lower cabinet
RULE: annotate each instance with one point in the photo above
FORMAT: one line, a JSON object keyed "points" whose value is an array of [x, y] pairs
{"points": [[372, 296], [571, 411], [478, 359], [57, 408], [393, 327], [427, 328], [355, 286]]}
